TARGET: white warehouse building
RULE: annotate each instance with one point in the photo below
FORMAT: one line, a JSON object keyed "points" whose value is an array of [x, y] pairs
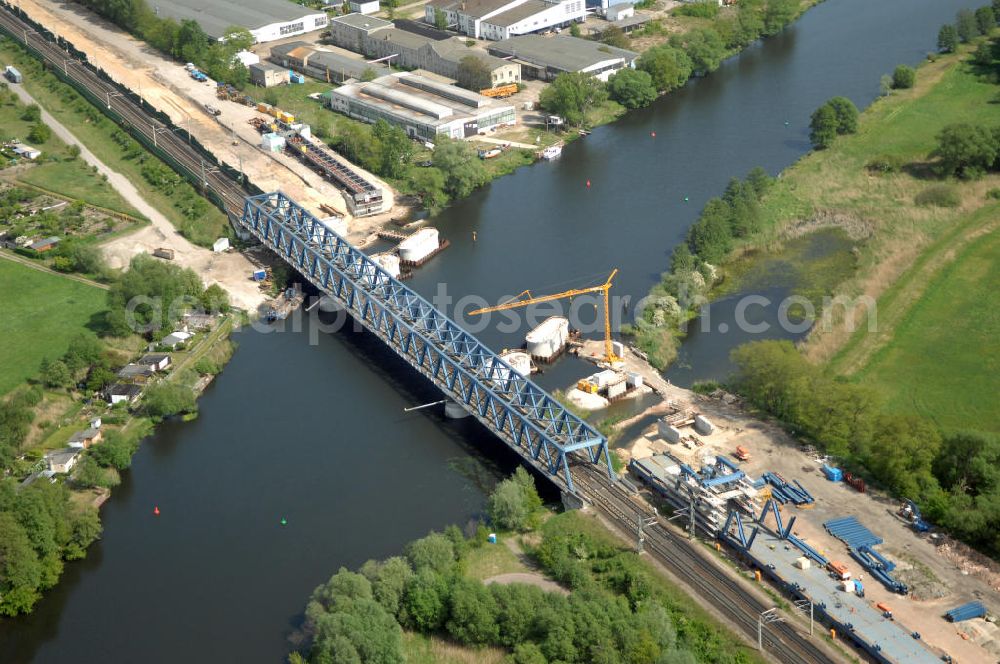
{"points": [[422, 107], [267, 20], [502, 19]]}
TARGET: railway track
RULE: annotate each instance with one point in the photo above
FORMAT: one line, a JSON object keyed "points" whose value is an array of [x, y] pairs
{"points": [[131, 113], [781, 640]]}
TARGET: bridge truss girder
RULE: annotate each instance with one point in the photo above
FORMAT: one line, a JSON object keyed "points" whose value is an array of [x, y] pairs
{"points": [[514, 408]]}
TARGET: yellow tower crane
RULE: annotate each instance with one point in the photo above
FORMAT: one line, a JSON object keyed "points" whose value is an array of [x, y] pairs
{"points": [[525, 298]]}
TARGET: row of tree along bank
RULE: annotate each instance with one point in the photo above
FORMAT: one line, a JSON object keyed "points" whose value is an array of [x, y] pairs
{"points": [[615, 607], [43, 523], [950, 472]]}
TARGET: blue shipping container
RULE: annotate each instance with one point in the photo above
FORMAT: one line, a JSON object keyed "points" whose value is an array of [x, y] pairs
{"points": [[833, 474], [259, 275]]}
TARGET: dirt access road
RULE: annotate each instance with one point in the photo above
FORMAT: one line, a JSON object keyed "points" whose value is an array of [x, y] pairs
{"points": [[166, 85], [230, 270]]}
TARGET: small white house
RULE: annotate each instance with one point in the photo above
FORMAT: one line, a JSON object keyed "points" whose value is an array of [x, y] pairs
{"points": [[619, 11], [175, 338], [123, 392], [62, 461], [26, 151], [220, 245], [155, 361], [247, 58], [364, 6]]}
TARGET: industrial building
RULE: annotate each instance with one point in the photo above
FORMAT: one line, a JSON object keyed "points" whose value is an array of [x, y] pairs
{"points": [[266, 20], [363, 6], [502, 19], [423, 107], [545, 58], [379, 39], [324, 64], [267, 75]]}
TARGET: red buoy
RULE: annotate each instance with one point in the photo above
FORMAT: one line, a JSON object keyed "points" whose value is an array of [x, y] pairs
{"points": [[156, 510], [588, 184], [653, 134]]}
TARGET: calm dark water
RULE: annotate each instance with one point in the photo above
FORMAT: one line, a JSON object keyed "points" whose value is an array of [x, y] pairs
{"points": [[316, 433]]}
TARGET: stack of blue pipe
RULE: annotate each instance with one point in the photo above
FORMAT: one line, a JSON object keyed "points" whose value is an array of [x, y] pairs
{"points": [[966, 612], [784, 492], [860, 542]]}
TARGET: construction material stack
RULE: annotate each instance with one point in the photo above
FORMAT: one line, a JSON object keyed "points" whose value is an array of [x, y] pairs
{"points": [[861, 544], [785, 492], [718, 487], [967, 612]]}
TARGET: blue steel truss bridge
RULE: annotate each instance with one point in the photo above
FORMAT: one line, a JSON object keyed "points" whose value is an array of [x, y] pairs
{"points": [[516, 410]]}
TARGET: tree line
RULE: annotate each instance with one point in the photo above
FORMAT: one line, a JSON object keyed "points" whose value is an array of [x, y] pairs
{"points": [[615, 611], [693, 265], [954, 477], [968, 26], [40, 529], [666, 67], [184, 41]]}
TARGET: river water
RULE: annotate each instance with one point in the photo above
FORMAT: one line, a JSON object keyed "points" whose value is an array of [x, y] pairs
{"points": [[309, 426]]}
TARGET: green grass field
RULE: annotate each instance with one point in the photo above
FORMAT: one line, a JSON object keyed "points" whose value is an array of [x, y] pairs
{"points": [[72, 178], [943, 361], [71, 109], [76, 180], [42, 312], [927, 267]]}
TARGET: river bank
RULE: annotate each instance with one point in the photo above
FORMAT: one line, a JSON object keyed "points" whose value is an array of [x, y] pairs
{"points": [[328, 446], [835, 226]]}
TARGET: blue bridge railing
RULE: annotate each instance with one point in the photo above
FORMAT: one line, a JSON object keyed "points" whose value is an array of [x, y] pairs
{"points": [[518, 411]]}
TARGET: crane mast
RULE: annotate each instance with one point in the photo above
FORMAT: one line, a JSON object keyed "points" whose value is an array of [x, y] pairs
{"points": [[526, 298]]}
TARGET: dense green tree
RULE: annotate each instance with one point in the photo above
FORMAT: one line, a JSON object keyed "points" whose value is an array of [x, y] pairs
{"points": [[711, 236], [39, 134], [632, 88], [474, 74], [514, 503], [20, 571], [32, 113], [778, 14], [669, 67], [823, 127], [425, 603], [516, 606], [967, 150], [682, 260], [88, 474], [153, 293], [847, 114], [434, 552], [966, 25], [461, 167], [115, 450], [85, 527], [903, 77], [986, 20], [165, 399], [947, 40], [571, 95], [84, 350], [56, 374], [527, 653], [83, 257], [389, 583], [704, 47], [429, 184], [760, 181], [472, 613], [394, 148], [99, 377], [215, 299]]}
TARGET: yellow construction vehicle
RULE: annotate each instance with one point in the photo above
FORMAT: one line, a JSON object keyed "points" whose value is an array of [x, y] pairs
{"points": [[525, 298]]}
